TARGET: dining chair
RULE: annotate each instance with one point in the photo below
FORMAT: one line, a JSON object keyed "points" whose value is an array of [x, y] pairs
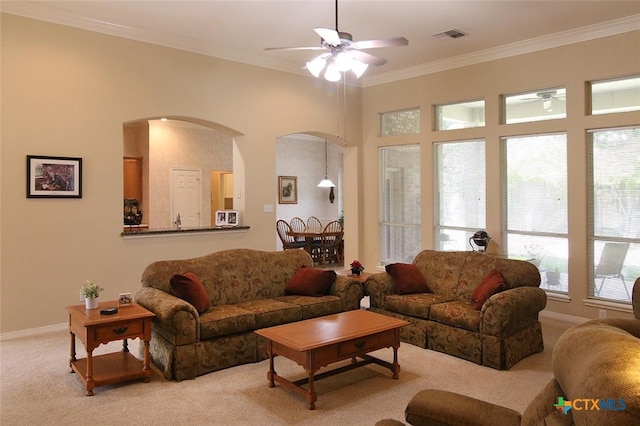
{"points": [[332, 236], [284, 232], [297, 224], [314, 224]]}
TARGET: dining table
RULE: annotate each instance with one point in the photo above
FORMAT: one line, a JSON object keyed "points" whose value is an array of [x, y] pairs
{"points": [[311, 236]]}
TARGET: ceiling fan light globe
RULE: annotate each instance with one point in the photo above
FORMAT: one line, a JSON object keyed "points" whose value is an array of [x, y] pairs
{"points": [[332, 73], [358, 67], [343, 61], [316, 65]]}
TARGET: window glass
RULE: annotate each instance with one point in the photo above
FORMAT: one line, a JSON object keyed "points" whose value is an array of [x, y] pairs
{"points": [[460, 189], [536, 205], [397, 123], [615, 95], [460, 116], [399, 203], [540, 105], [615, 212]]}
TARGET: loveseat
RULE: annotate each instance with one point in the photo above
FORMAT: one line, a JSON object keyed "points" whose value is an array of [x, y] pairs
{"points": [[496, 333], [246, 291]]}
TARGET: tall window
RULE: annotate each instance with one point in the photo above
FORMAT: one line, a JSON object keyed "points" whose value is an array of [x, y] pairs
{"points": [[460, 189], [615, 212], [536, 205], [399, 203]]}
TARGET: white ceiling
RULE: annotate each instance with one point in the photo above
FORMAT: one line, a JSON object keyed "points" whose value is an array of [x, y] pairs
{"points": [[240, 30]]}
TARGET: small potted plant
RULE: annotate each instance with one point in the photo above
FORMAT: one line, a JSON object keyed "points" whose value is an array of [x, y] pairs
{"points": [[89, 292], [356, 267]]}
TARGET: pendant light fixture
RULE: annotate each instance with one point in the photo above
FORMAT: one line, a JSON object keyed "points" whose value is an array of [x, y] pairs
{"points": [[326, 182]]}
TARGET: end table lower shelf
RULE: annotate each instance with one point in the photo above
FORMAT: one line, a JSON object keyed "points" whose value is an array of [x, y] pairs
{"points": [[110, 368]]}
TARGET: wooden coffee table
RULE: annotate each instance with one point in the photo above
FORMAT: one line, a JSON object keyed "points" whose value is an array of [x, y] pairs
{"points": [[92, 328], [318, 342]]}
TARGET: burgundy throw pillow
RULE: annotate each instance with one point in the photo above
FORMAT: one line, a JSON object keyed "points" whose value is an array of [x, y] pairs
{"points": [[407, 278], [491, 284], [188, 287], [310, 282]]}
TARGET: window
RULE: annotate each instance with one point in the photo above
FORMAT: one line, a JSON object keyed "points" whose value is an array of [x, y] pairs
{"points": [[460, 189], [540, 105], [536, 205], [395, 123], [460, 116], [399, 203], [619, 95], [615, 212]]}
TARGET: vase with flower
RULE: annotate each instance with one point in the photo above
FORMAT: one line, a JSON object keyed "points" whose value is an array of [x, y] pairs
{"points": [[356, 267], [89, 292]]}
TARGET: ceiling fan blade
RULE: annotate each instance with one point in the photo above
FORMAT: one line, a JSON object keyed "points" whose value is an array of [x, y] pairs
{"points": [[297, 48], [385, 42], [330, 36], [367, 58]]}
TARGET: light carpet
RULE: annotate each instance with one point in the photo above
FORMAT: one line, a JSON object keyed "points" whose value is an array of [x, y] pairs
{"points": [[37, 388]]}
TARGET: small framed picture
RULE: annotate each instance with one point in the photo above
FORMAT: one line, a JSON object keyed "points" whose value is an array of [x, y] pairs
{"points": [[226, 218], [54, 177], [125, 299], [287, 190]]}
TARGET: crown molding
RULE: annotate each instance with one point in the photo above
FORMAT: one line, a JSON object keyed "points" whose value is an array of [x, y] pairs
{"points": [[48, 13], [591, 32]]}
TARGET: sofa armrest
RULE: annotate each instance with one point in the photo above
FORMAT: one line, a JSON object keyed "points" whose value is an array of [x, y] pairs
{"points": [[439, 407], [377, 286], [511, 310], [349, 290], [177, 319]]}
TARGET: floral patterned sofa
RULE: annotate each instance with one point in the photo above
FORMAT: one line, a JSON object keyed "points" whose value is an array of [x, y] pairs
{"points": [[497, 333], [246, 291]]}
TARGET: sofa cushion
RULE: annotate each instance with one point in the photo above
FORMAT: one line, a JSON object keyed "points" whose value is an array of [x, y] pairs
{"points": [[456, 313], [223, 320], [415, 305], [310, 282], [491, 284], [188, 287], [315, 306], [270, 312], [407, 278]]}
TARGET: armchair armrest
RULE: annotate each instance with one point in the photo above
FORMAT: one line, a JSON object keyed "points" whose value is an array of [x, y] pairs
{"points": [[439, 407], [349, 290], [176, 320], [512, 309], [377, 286]]}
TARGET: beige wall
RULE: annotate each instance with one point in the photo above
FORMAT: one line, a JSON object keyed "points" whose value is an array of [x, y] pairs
{"points": [[68, 92], [569, 66]]}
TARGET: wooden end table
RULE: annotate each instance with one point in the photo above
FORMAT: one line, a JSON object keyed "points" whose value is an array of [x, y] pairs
{"points": [[92, 328], [318, 342]]}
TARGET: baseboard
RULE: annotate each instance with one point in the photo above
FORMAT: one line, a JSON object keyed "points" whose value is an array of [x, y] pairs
{"points": [[33, 331], [563, 317]]}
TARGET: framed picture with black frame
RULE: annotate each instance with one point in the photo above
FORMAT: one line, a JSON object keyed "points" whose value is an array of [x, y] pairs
{"points": [[54, 177]]}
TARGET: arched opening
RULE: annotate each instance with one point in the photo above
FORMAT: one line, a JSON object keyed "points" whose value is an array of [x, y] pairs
{"points": [[181, 170], [302, 156]]}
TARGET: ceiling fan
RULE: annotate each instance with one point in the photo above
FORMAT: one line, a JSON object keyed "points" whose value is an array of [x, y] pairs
{"points": [[342, 53], [546, 97]]}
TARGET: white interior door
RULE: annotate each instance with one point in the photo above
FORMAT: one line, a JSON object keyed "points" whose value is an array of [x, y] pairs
{"points": [[186, 189]]}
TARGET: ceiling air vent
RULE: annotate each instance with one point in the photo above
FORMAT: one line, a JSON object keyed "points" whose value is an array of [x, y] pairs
{"points": [[449, 34]]}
